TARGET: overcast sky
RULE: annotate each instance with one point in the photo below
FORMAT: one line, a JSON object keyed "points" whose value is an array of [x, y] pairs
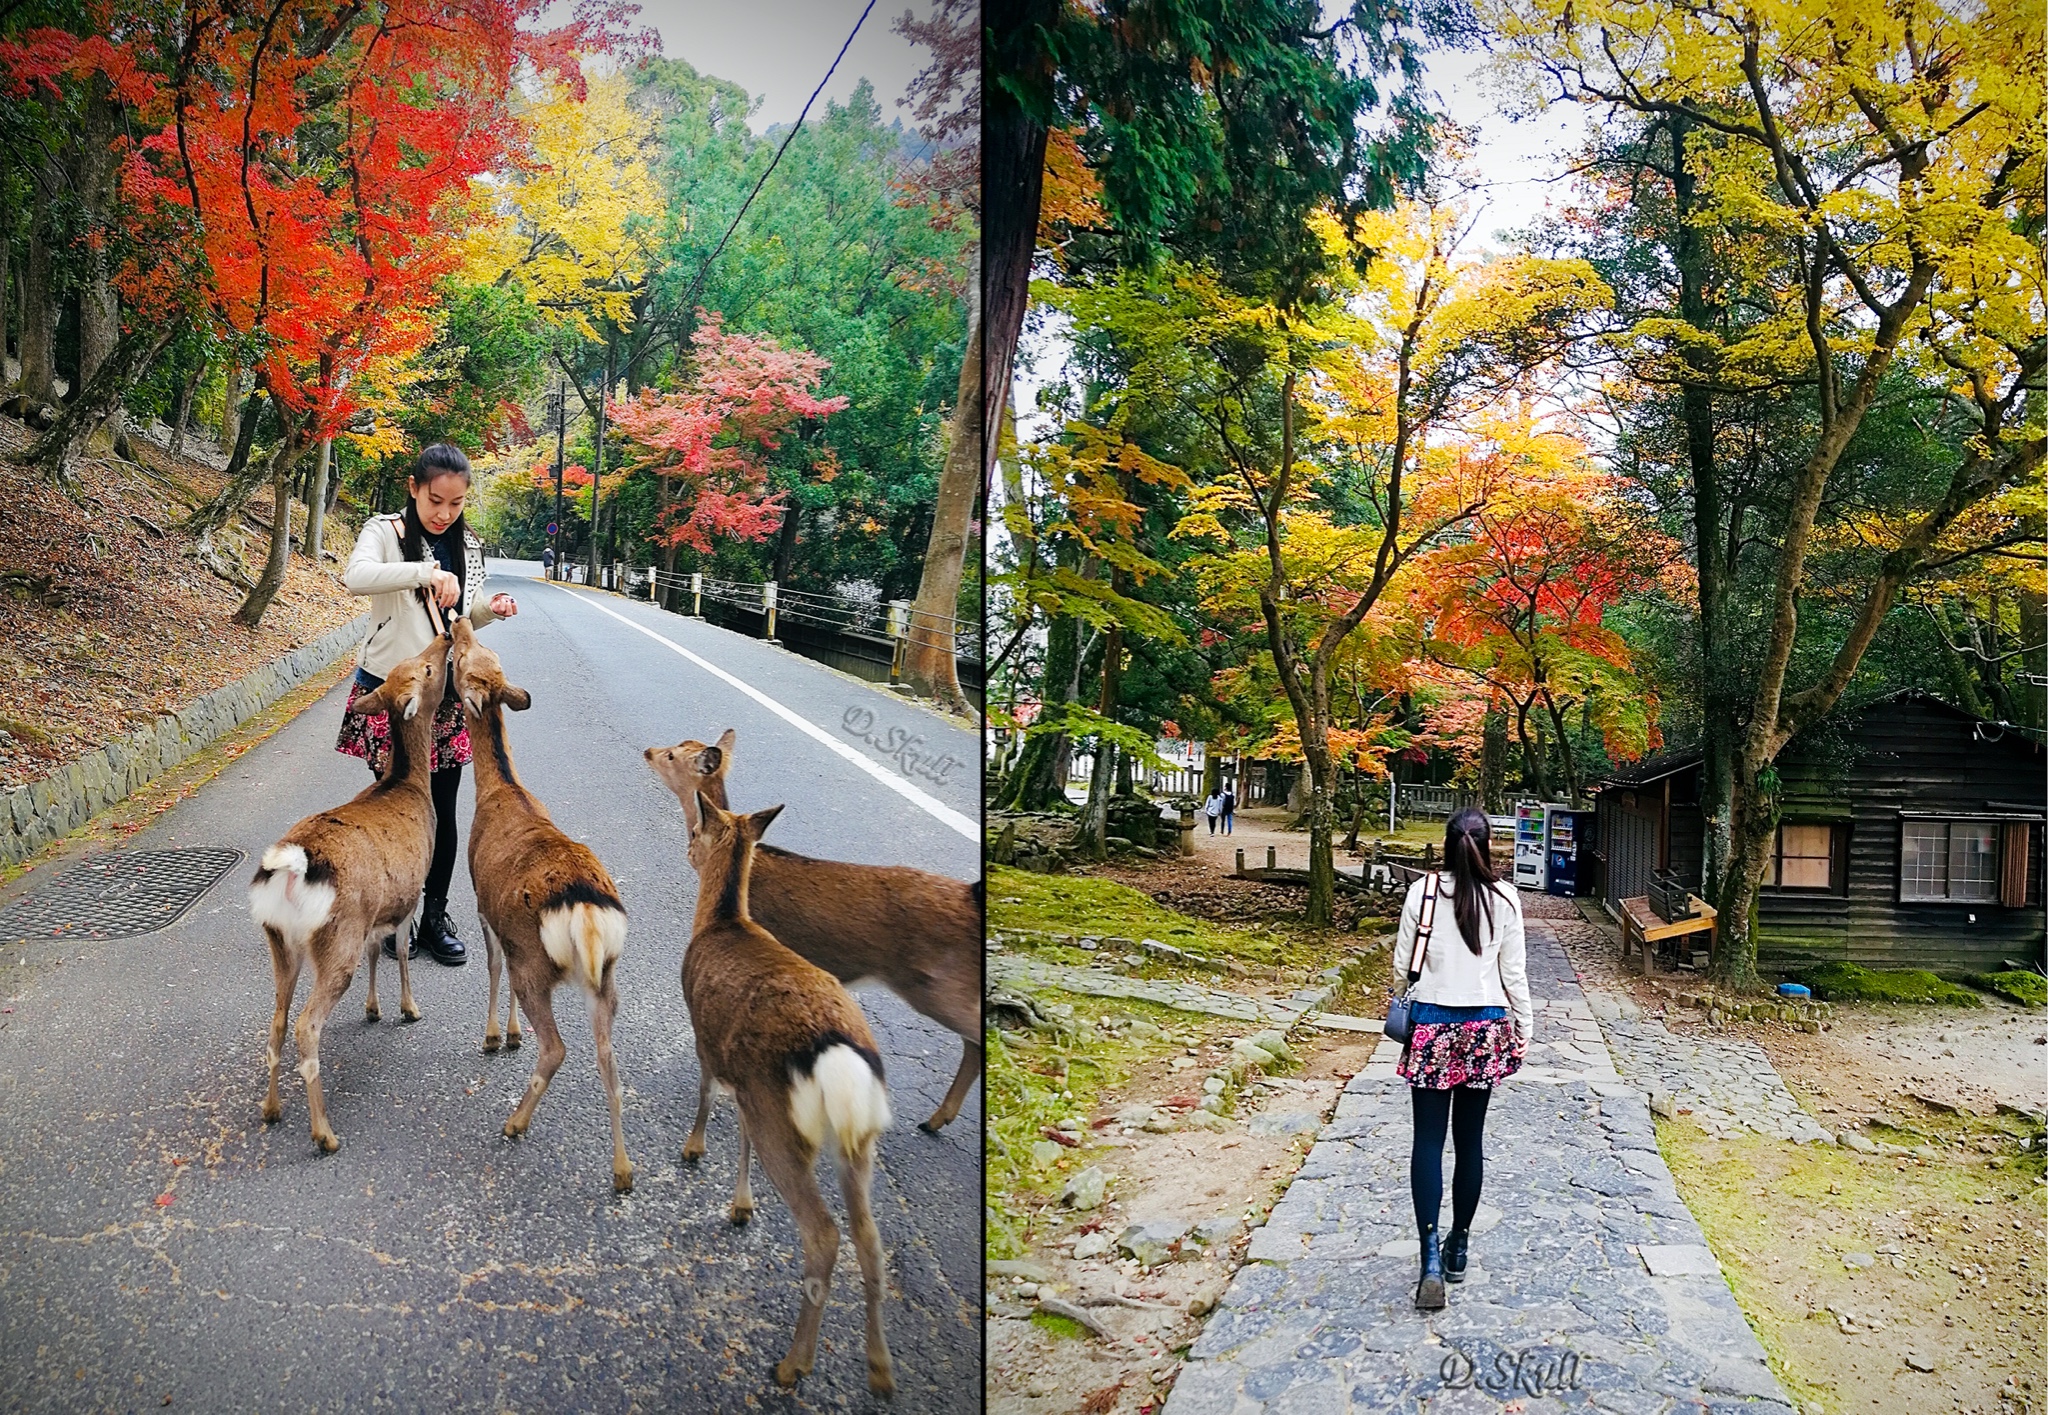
{"points": [[777, 50]]}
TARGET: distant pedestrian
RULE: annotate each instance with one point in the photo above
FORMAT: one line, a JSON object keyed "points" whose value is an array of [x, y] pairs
{"points": [[1474, 971], [401, 562], [1229, 808], [547, 562], [1213, 809]]}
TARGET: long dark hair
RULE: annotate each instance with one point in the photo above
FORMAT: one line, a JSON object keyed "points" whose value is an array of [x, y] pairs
{"points": [[1467, 837], [440, 460]]}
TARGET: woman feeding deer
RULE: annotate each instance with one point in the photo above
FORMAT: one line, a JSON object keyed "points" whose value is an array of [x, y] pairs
{"points": [[421, 569]]}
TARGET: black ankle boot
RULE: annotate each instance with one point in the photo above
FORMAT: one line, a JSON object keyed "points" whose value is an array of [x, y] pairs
{"points": [[412, 949], [1454, 1255], [433, 935], [1429, 1293]]}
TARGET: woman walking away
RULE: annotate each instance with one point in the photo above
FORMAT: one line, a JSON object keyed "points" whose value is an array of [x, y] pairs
{"points": [[1229, 804], [1467, 927], [402, 561], [1212, 808]]}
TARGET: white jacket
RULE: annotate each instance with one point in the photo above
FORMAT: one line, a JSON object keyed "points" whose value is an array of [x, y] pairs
{"points": [[399, 624], [1452, 974]]}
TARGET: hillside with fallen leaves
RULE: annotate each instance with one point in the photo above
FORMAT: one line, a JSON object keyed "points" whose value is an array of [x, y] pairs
{"points": [[106, 619]]}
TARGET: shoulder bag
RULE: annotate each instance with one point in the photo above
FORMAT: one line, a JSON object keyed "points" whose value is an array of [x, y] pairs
{"points": [[1398, 1025]]}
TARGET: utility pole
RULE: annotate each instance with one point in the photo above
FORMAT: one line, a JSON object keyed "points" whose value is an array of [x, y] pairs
{"points": [[597, 468], [560, 399]]}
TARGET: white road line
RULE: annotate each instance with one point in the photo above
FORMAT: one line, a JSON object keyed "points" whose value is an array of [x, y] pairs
{"points": [[929, 804]]}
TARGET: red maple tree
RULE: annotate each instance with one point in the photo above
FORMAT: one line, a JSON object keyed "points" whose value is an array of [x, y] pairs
{"points": [[707, 442]]}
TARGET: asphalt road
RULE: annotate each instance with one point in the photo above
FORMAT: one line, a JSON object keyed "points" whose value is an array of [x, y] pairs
{"points": [[159, 1246]]}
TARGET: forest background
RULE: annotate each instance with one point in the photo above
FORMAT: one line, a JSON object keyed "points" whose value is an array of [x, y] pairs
{"points": [[1739, 428]]}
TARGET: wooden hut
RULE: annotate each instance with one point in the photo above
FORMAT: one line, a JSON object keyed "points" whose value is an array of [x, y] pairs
{"points": [[1910, 835]]}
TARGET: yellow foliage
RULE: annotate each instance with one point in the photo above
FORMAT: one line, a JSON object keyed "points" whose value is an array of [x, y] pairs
{"points": [[574, 224]]}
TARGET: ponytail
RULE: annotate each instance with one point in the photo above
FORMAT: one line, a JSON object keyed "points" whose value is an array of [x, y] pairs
{"points": [[1467, 851]]}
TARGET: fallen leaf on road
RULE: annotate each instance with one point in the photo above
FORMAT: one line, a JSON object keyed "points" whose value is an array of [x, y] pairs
{"points": [[163, 1201]]}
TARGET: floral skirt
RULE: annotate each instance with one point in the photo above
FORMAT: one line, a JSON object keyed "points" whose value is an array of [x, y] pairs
{"points": [[370, 737], [1441, 1056]]}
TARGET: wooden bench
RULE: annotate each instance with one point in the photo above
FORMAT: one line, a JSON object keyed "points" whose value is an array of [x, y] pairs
{"points": [[1641, 928]]}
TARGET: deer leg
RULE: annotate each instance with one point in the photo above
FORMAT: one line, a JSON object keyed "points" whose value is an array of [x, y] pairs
{"points": [[603, 1007], [540, 1010], [370, 951], [743, 1186], [855, 1175], [408, 1010], [693, 1147], [495, 959], [787, 1160], [329, 983], [963, 1081], [284, 965], [513, 1036]]}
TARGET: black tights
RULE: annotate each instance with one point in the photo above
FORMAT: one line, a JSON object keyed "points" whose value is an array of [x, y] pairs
{"points": [[1465, 1111], [445, 783]]}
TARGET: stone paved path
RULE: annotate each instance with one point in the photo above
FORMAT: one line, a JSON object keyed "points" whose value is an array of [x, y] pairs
{"points": [[1590, 1288], [1728, 1082]]}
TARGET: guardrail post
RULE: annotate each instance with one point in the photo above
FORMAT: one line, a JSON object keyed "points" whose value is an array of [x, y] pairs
{"points": [[696, 594], [899, 631], [653, 585], [768, 603]]}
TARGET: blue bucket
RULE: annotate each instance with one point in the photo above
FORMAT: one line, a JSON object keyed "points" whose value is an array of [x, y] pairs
{"points": [[1794, 990]]}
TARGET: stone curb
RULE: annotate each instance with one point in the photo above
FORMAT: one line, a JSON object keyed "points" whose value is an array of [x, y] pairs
{"points": [[32, 816]]}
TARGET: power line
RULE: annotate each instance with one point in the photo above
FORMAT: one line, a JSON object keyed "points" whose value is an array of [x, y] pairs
{"points": [[705, 269]]}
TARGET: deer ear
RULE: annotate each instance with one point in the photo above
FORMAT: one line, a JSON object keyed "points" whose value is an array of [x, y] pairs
{"points": [[474, 701], [726, 739], [708, 813], [708, 761], [759, 821], [518, 699], [370, 704]]}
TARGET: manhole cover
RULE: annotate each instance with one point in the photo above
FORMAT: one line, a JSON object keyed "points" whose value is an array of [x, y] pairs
{"points": [[116, 896]]}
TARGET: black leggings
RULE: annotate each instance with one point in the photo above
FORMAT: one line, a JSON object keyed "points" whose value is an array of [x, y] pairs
{"points": [[1465, 1111], [445, 783]]}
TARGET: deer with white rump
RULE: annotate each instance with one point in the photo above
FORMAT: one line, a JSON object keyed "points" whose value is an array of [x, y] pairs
{"points": [[792, 1046], [341, 881], [917, 934], [550, 912]]}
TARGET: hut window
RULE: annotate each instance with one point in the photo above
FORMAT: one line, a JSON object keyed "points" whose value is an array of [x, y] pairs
{"points": [[1954, 861], [1804, 857]]}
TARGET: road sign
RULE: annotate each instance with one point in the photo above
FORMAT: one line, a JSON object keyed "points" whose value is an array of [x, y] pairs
{"points": [[553, 529]]}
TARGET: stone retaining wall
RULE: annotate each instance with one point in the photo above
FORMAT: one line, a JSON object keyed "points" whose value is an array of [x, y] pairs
{"points": [[32, 816]]}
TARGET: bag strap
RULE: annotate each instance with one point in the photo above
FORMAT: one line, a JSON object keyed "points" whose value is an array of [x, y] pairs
{"points": [[434, 612], [1424, 926]]}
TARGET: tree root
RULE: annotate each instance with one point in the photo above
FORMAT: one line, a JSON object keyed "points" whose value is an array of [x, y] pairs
{"points": [[225, 565]]}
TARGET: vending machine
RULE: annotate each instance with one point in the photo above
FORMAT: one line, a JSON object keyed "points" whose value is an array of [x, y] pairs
{"points": [[1529, 839], [1568, 854]]}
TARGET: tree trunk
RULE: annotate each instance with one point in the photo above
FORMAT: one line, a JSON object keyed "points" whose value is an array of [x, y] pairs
{"points": [[1315, 749], [183, 412], [132, 356], [785, 542], [1094, 818], [1013, 180], [928, 659], [316, 501], [1567, 751], [1037, 781], [283, 463], [231, 408], [39, 296], [1493, 762]]}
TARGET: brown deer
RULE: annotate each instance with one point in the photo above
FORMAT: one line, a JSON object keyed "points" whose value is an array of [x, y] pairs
{"points": [[917, 934], [340, 882], [549, 911], [792, 1046]]}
